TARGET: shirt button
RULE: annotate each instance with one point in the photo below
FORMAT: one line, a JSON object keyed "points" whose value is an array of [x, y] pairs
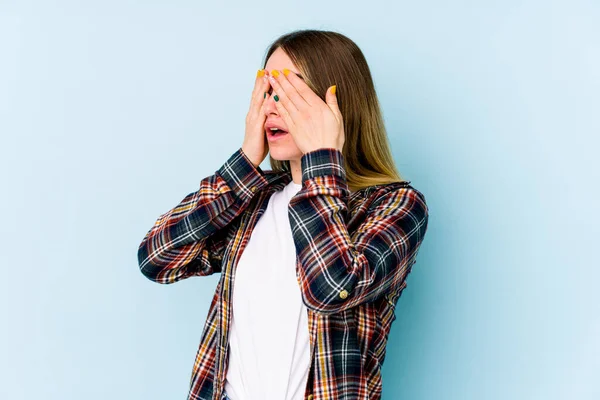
{"points": [[310, 397], [344, 294], [253, 189]]}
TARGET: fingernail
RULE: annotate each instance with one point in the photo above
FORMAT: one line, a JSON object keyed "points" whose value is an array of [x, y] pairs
{"points": [[286, 71], [276, 98], [260, 72], [275, 73], [333, 89]]}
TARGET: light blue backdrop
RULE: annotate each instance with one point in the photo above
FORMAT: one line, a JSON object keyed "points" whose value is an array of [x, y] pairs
{"points": [[112, 111]]}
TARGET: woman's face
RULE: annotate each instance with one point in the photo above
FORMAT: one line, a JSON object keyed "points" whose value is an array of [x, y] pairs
{"points": [[284, 147]]}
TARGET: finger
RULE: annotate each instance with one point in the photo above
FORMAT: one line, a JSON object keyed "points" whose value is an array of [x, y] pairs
{"points": [[258, 82], [282, 97], [260, 115], [260, 93], [302, 88], [284, 113], [290, 91], [261, 85], [331, 100], [264, 104]]}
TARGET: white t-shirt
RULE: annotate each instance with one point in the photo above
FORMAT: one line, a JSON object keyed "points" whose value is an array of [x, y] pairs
{"points": [[269, 353]]}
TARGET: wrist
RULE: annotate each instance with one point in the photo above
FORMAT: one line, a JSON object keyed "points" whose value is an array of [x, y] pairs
{"points": [[250, 157]]}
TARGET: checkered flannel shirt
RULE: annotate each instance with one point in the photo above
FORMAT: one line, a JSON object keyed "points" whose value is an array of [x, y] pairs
{"points": [[354, 251]]}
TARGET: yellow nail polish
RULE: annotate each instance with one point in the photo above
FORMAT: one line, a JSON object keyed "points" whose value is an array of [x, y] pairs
{"points": [[275, 73], [286, 71], [333, 89], [261, 72]]}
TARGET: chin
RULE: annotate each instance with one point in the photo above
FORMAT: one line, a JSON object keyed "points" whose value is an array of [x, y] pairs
{"points": [[284, 154]]}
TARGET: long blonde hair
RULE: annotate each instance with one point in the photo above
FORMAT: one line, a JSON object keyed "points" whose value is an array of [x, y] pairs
{"points": [[326, 58]]}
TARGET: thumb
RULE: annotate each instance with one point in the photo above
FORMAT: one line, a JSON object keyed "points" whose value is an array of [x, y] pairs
{"points": [[331, 98]]}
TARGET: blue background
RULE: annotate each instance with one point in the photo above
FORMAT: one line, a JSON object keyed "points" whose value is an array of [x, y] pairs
{"points": [[112, 111]]}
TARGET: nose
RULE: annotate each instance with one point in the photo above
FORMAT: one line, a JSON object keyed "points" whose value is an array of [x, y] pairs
{"points": [[270, 107]]}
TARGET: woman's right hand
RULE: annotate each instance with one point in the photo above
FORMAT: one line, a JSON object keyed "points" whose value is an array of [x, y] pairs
{"points": [[256, 146]]}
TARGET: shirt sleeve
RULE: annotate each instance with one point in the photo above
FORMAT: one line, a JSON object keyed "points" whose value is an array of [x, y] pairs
{"points": [[338, 271], [190, 238]]}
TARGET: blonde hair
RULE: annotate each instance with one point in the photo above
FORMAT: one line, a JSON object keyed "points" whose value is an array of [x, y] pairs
{"points": [[325, 58]]}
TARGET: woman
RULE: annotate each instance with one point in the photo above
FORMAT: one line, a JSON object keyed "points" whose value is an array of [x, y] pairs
{"points": [[319, 246]]}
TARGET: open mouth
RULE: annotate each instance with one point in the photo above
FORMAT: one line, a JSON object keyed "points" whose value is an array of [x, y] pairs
{"points": [[275, 132]]}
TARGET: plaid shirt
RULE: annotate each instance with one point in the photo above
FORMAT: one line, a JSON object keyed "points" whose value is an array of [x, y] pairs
{"points": [[354, 252]]}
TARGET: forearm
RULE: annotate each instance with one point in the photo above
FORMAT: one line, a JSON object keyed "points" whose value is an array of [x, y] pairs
{"points": [[339, 270], [179, 245]]}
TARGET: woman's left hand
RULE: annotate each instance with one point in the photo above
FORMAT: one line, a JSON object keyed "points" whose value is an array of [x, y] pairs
{"points": [[313, 123]]}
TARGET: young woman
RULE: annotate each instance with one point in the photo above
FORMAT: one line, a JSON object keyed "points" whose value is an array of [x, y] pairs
{"points": [[319, 246]]}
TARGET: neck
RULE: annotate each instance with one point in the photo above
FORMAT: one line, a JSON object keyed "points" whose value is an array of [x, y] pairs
{"points": [[296, 168]]}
